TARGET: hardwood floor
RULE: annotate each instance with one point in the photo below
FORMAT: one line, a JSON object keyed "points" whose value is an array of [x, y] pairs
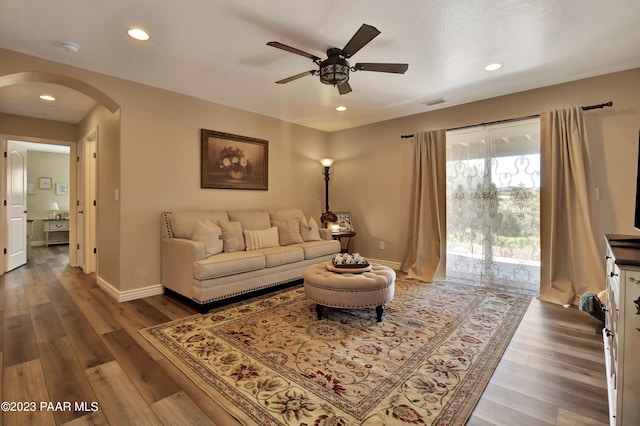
{"points": [[69, 346]]}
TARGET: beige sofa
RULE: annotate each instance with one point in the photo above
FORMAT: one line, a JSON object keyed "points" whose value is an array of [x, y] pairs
{"points": [[211, 256]]}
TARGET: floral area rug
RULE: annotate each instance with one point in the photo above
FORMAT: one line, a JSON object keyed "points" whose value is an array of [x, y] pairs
{"points": [[269, 361]]}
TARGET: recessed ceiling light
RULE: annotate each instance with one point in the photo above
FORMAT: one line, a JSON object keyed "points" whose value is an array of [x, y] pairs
{"points": [[138, 34], [341, 108], [493, 67], [47, 98]]}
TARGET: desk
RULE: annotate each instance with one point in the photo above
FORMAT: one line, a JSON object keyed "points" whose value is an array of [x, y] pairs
{"points": [[55, 225], [343, 234]]}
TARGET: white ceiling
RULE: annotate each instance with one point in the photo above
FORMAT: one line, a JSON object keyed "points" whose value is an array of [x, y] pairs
{"points": [[215, 50]]}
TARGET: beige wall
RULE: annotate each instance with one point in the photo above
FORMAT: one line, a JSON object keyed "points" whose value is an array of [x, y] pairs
{"points": [[157, 166], [108, 177], [373, 164], [151, 155], [46, 164], [160, 168], [16, 125]]}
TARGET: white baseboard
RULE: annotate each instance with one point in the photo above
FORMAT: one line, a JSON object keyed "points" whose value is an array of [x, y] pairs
{"points": [[128, 295], [393, 265], [155, 290]]}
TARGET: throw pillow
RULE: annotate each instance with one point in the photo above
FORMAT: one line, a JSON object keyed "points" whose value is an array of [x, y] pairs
{"points": [[211, 235], [288, 231], [309, 231], [263, 238], [232, 236]]}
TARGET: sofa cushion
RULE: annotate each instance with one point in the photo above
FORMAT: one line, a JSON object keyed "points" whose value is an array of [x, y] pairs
{"points": [[277, 256], [232, 236], [224, 264], [313, 249], [309, 231], [183, 224], [251, 219], [211, 235], [287, 214], [288, 231], [263, 238]]}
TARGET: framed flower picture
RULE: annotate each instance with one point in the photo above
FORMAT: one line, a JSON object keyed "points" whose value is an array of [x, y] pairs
{"points": [[233, 162], [45, 183], [62, 189]]}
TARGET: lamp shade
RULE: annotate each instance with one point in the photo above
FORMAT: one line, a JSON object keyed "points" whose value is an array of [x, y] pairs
{"points": [[327, 162], [53, 206]]}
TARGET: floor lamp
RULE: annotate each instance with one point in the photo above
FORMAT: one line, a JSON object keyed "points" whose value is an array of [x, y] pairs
{"points": [[328, 216]]}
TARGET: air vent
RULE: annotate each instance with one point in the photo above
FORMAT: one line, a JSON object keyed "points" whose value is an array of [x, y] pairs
{"points": [[434, 102]]}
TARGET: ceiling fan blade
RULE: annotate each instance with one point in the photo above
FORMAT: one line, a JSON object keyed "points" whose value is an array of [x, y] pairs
{"points": [[279, 45], [295, 77], [364, 35], [393, 68], [344, 88]]}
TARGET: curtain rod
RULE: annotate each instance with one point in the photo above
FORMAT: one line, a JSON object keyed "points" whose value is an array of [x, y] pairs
{"points": [[508, 120]]}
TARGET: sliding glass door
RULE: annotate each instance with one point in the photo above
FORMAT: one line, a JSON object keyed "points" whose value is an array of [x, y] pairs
{"points": [[493, 205]]}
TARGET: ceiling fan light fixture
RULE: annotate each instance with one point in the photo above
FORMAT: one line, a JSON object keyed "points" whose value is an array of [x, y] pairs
{"points": [[335, 69], [334, 74]]}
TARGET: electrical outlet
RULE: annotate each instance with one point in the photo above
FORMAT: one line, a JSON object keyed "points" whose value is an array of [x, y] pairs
{"points": [[381, 245]]}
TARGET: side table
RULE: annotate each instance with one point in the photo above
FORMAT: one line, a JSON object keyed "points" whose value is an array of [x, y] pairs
{"points": [[55, 225], [343, 234]]}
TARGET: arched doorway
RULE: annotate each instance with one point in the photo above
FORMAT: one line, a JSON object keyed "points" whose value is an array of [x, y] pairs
{"points": [[84, 238]]}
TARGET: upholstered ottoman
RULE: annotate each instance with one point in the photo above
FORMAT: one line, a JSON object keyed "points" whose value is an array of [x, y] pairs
{"points": [[349, 290]]}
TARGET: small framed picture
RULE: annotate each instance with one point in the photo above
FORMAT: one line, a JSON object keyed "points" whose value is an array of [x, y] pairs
{"points": [[62, 189], [30, 188], [344, 221], [45, 183]]}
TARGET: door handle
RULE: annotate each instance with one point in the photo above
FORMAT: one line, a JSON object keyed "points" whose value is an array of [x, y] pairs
{"points": [[81, 212], [25, 212]]}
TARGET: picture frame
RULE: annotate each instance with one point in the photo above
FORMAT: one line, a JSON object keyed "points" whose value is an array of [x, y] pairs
{"points": [[30, 188], [233, 162], [62, 189], [45, 183], [344, 221]]}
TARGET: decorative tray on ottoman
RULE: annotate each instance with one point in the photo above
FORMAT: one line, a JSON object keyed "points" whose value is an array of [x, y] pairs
{"points": [[338, 264]]}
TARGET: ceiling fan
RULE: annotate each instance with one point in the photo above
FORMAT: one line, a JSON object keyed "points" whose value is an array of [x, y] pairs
{"points": [[335, 69]]}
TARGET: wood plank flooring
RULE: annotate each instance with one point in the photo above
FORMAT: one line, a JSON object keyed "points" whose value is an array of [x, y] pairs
{"points": [[67, 344]]}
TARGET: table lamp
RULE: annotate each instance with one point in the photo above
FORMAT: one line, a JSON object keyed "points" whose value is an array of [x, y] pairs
{"points": [[53, 208]]}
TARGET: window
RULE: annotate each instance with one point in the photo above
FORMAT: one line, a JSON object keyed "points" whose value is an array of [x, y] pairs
{"points": [[493, 205]]}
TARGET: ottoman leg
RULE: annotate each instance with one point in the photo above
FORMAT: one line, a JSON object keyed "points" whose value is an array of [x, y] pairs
{"points": [[379, 311], [319, 310]]}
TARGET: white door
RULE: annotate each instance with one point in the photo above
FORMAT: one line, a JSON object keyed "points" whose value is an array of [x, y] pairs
{"points": [[91, 216], [80, 243], [16, 231], [86, 225]]}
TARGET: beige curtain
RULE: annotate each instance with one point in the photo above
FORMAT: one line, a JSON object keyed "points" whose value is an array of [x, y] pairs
{"points": [[426, 248], [570, 261]]}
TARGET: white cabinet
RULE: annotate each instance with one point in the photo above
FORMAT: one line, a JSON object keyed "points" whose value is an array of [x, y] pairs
{"points": [[622, 329], [56, 225]]}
